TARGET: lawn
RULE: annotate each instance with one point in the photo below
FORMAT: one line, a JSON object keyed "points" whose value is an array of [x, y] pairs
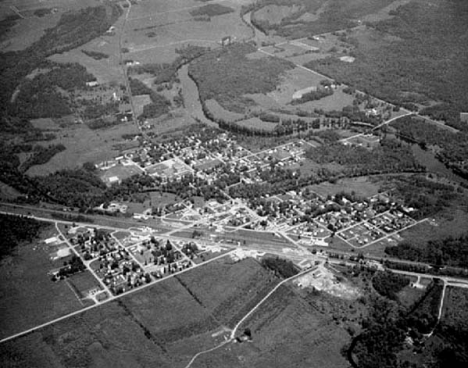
{"points": [[28, 297]]}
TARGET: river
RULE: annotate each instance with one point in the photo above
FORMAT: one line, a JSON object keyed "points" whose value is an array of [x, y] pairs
{"points": [[191, 97]]}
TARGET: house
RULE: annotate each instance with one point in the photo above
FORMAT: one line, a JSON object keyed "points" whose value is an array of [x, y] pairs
{"points": [[92, 83]]}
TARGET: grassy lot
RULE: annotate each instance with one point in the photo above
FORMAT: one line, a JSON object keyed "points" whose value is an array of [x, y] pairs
{"points": [[229, 289], [28, 297]]}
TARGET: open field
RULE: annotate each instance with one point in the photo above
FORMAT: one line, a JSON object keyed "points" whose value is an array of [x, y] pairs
{"points": [[28, 297]]}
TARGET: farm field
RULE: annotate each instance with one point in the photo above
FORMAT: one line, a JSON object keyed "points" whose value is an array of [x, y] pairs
{"points": [[28, 296]]}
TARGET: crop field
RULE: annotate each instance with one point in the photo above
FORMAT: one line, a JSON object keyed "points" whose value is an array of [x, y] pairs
{"points": [[28, 297], [229, 289]]}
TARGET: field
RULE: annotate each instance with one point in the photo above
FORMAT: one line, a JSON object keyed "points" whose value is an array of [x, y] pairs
{"points": [[31, 27], [155, 30], [84, 145], [362, 186], [164, 325], [288, 330], [238, 287], [28, 297], [450, 224]]}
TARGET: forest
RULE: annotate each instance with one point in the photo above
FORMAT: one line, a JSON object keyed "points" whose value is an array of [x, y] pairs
{"points": [[42, 96], [389, 284], [425, 39], [17, 229], [446, 252], [73, 29], [41, 155], [227, 74], [451, 148], [281, 267], [167, 73]]}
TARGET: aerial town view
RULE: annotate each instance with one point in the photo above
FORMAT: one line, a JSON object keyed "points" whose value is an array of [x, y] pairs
{"points": [[234, 183]]}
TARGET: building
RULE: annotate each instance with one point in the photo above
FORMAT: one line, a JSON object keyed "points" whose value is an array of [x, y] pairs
{"points": [[225, 41], [464, 117]]}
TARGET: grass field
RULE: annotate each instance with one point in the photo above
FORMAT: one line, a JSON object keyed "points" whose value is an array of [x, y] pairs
{"points": [[28, 297]]}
